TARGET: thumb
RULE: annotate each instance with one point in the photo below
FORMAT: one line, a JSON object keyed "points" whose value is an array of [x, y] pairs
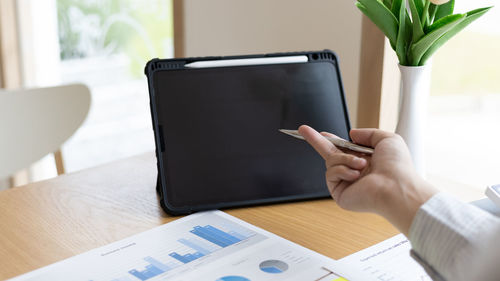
{"points": [[369, 137]]}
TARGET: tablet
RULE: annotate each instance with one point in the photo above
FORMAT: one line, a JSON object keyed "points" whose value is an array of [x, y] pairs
{"points": [[216, 122]]}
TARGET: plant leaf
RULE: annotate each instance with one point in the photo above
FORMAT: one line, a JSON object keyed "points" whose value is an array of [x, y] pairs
{"points": [[396, 5], [424, 17], [404, 34], [419, 4], [381, 16], [444, 10], [441, 22], [388, 3], [418, 31], [419, 48], [432, 12], [470, 17]]}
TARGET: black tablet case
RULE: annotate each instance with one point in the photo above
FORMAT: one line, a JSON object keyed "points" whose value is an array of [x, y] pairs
{"points": [[270, 169]]}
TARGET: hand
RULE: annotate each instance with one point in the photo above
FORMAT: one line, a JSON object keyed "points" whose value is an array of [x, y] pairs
{"points": [[384, 183]]}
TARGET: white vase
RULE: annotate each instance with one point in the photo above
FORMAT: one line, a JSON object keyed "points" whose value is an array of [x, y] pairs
{"points": [[412, 120]]}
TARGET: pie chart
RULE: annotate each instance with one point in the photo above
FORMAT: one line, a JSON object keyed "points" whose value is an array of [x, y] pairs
{"points": [[233, 278], [273, 266]]}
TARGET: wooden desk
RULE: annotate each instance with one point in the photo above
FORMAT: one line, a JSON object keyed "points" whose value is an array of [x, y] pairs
{"points": [[48, 221]]}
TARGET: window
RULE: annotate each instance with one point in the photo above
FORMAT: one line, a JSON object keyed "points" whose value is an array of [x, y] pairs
{"points": [[105, 45], [464, 106]]}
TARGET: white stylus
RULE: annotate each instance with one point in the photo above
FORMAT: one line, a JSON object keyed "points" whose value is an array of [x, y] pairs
{"points": [[336, 141], [252, 61]]}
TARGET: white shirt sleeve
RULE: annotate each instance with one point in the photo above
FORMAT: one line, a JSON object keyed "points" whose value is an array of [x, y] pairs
{"points": [[448, 235]]}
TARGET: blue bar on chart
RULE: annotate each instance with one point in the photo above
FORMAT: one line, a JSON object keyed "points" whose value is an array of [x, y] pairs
{"points": [[199, 231], [222, 234], [187, 257], [178, 257], [137, 274], [158, 264], [195, 245], [192, 257], [214, 235], [151, 270]]}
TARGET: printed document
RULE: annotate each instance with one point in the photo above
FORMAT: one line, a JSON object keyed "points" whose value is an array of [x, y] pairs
{"points": [[388, 260], [204, 246]]}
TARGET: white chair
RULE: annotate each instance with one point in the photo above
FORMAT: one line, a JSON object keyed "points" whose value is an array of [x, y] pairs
{"points": [[36, 122]]}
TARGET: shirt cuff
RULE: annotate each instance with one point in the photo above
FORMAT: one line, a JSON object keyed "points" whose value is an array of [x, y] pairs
{"points": [[445, 233]]}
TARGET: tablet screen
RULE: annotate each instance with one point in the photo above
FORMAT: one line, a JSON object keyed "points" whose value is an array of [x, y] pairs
{"points": [[220, 127]]}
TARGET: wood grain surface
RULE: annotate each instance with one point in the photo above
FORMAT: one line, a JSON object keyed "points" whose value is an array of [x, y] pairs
{"points": [[48, 221]]}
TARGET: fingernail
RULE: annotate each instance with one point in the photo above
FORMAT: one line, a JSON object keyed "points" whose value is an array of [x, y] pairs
{"points": [[361, 161]]}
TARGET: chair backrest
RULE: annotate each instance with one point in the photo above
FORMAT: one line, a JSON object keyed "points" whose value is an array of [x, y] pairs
{"points": [[36, 122]]}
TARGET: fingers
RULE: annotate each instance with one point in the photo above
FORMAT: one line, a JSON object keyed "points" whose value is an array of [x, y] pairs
{"points": [[341, 172], [317, 141], [348, 160], [342, 168], [326, 134], [341, 177], [338, 178], [369, 137]]}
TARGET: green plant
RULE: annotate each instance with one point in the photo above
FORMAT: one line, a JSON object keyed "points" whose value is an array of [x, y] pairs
{"points": [[416, 38]]}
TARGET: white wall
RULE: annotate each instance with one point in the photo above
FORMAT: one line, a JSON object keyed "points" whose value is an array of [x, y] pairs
{"points": [[39, 42], [231, 27]]}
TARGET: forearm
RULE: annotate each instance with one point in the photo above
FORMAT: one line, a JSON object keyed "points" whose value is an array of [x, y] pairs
{"points": [[404, 198], [446, 236]]}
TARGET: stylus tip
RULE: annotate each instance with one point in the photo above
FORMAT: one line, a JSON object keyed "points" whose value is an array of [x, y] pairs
{"points": [[292, 133]]}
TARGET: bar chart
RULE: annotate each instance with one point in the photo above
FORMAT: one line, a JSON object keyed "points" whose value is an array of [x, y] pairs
{"points": [[212, 246], [203, 241]]}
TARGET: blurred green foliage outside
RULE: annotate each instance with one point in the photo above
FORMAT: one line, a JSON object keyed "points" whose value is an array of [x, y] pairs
{"points": [[141, 30], [468, 64]]}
